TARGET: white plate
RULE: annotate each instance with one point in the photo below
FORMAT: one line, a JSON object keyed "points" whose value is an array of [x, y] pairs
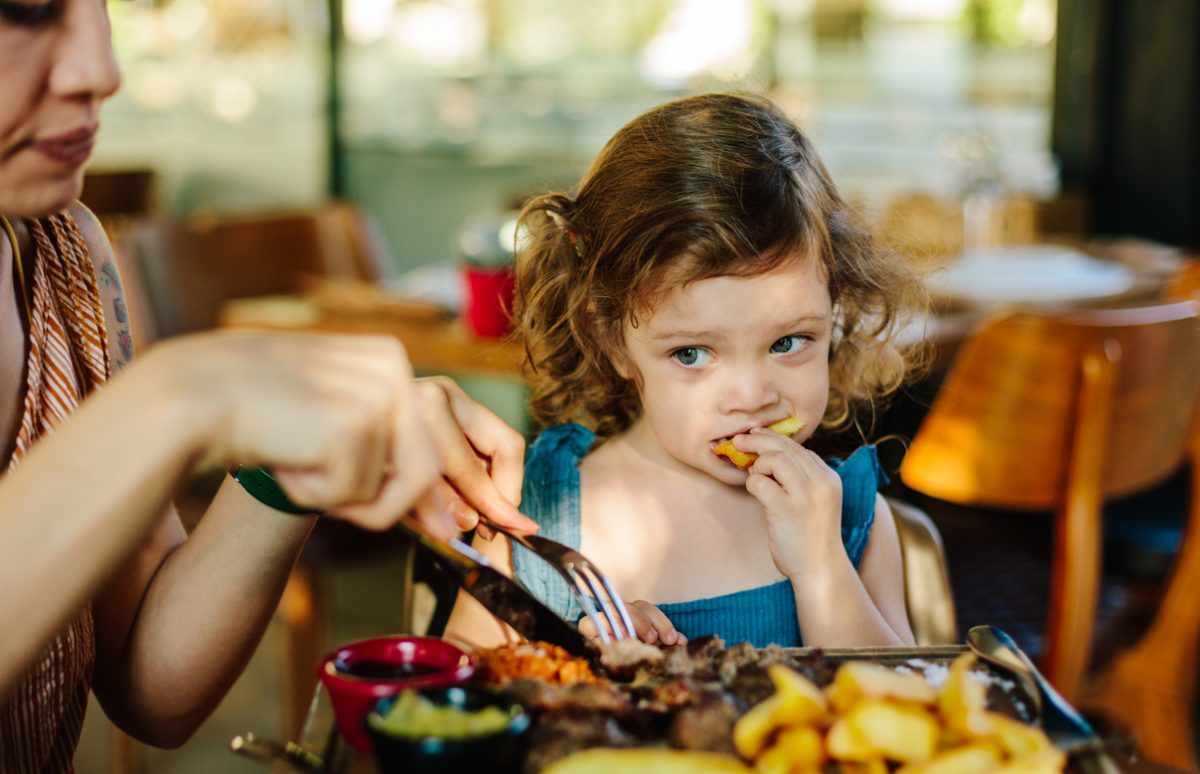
{"points": [[1033, 274]]}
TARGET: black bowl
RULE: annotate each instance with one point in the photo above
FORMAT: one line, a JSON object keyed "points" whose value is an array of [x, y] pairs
{"points": [[500, 751]]}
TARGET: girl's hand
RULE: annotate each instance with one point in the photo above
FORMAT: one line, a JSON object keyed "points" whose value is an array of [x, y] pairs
{"points": [[802, 497], [651, 624], [482, 458]]}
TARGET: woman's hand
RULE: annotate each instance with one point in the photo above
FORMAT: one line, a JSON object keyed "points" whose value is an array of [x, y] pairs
{"points": [[482, 458], [335, 417], [651, 624], [802, 497]]}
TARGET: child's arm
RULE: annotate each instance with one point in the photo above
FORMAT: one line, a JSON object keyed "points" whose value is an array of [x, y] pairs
{"points": [[802, 500], [470, 622]]}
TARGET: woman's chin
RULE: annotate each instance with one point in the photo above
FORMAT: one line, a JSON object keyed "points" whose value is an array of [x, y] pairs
{"points": [[37, 199]]}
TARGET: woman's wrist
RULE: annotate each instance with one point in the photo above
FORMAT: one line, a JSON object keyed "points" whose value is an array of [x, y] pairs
{"points": [[187, 397]]}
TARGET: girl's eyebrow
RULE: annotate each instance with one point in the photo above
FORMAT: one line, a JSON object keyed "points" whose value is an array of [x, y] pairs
{"points": [[709, 335], [686, 334]]}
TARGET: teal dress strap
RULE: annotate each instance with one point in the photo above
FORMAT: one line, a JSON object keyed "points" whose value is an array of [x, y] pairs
{"points": [[550, 497], [862, 475]]}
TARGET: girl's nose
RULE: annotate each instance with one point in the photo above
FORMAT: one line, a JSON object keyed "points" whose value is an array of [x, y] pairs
{"points": [[85, 65], [748, 391]]}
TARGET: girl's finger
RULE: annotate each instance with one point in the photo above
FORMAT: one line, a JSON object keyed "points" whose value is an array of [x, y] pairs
{"points": [[662, 625], [784, 468]]}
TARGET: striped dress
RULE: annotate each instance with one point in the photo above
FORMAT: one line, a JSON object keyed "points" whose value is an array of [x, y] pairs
{"points": [[41, 717]]}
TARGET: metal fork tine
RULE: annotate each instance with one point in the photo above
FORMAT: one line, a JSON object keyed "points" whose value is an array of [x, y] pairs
{"points": [[585, 570], [581, 577], [579, 585], [618, 603]]}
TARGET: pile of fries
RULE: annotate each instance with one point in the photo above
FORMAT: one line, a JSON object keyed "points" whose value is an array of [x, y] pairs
{"points": [[541, 660], [873, 720]]}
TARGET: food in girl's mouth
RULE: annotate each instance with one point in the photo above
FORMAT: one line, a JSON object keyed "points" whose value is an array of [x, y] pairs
{"points": [[743, 460]]}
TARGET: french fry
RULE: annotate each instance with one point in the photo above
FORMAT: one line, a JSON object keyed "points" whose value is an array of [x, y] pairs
{"points": [[802, 745], [963, 701], [872, 766], [870, 715], [798, 750], [1049, 761], [796, 701], [894, 730], [857, 680], [975, 758], [646, 760], [844, 743], [788, 426], [1018, 739]]}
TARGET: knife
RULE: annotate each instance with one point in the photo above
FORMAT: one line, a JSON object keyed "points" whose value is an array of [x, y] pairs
{"points": [[507, 599], [504, 597]]}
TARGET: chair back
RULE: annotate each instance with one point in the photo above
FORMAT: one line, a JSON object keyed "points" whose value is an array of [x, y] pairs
{"points": [[1001, 432], [1059, 413], [927, 590], [190, 269]]}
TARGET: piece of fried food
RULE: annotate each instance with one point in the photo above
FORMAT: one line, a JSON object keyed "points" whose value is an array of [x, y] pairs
{"points": [[542, 660], [788, 426], [647, 760]]}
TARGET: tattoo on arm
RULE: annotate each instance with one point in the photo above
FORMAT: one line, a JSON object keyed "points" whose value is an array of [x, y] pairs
{"points": [[124, 336]]}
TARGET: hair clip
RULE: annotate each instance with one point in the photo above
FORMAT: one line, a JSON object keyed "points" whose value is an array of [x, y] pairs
{"points": [[575, 241]]}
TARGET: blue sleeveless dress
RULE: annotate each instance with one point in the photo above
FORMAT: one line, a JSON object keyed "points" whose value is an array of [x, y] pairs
{"points": [[760, 616]]}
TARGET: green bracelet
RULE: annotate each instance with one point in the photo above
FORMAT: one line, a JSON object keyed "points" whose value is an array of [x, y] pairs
{"points": [[262, 486]]}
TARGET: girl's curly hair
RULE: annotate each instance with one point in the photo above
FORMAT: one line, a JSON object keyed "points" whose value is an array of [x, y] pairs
{"points": [[706, 186]]}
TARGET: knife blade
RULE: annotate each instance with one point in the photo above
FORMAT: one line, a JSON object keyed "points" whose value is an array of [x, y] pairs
{"points": [[504, 597]]}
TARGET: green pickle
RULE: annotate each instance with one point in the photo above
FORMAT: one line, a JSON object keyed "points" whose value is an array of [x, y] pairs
{"points": [[414, 716]]}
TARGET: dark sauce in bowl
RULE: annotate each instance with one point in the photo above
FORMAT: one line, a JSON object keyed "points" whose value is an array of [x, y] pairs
{"points": [[371, 669]]}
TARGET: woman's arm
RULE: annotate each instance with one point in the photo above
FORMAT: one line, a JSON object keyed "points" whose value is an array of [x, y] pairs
{"points": [[331, 412], [178, 622]]}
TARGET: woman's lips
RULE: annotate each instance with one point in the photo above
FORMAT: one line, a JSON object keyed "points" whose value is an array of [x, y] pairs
{"points": [[72, 148]]}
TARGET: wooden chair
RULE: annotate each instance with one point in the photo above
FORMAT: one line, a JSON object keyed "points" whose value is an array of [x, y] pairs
{"points": [[1057, 413], [119, 192], [189, 269], [927, 588]]}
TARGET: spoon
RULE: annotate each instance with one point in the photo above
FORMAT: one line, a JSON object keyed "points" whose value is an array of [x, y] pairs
{"points": [[271, 751], [1061, 722]]}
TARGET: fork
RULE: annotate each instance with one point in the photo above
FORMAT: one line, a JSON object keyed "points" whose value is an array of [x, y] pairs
{"points": [[592, 589]]}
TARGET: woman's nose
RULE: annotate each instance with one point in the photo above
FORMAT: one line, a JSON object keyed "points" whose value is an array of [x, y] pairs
{"points": [[85, 64], [748, 390]]}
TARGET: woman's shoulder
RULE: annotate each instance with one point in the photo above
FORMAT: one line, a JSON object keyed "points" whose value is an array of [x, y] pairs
{"points": [[94, 236]]}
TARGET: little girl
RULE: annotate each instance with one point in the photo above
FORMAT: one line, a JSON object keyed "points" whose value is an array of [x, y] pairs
{"points": [[706, 281]]}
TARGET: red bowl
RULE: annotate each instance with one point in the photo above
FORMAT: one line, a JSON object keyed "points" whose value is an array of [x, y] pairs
{"points": [[359, 674]]}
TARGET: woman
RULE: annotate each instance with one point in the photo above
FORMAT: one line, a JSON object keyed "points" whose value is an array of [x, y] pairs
{"points": [[98, 587]]}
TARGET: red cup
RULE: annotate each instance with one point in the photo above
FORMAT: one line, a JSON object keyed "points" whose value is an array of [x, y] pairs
{"points": [[489, 298], [357, 675]]}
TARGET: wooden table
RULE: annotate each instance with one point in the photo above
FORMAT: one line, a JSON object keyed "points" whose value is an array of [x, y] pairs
{"points": [[433, 341]]}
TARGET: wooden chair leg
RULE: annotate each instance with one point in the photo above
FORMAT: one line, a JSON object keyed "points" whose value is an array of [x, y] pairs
{"points": [[301, 609], [1152, 686], [1075, 573]]}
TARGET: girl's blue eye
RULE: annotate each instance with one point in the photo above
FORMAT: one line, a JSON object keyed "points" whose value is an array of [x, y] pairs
{"points": [[690, 356], [787, 344]]}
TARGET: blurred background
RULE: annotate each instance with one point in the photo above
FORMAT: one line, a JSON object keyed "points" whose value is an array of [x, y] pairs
{"points": [[403, 134]]}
